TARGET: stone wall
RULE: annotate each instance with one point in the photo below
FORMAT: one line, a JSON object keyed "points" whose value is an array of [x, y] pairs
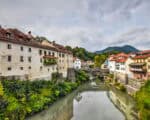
{"points": [[71, 74], [121, 77]]}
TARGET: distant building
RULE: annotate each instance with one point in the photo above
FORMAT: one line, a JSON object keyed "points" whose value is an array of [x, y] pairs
{"points": [[112, 63], [141, 65], [77, 63], [105, 65]]}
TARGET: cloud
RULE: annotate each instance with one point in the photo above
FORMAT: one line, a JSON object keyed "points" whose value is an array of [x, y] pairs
{"points": [[94, 24], [139, 37]]}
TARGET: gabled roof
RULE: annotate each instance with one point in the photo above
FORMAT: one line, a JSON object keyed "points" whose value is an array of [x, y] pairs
{"points": [[18, 37], [142, 56]]}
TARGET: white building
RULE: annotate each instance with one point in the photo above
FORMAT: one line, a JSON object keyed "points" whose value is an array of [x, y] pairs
{"points": [[77, 63], [111, 64], [22, 57], [127, 64]]}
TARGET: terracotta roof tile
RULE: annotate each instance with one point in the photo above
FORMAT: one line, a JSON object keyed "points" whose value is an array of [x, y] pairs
{"points": [[18, 37]]}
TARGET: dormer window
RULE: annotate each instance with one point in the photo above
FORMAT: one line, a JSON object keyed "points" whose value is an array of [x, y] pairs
{"points": [[8, 35]]}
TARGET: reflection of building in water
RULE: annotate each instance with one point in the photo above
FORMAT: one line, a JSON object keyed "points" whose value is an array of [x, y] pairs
{"points": [[123, 102]]}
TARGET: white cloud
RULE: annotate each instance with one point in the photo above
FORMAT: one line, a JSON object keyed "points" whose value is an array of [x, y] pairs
{"points": [[93, 24]]}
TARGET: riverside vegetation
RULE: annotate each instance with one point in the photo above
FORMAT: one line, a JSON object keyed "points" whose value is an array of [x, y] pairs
{"points": [[19, 99], [141, 97], [143, 101]]}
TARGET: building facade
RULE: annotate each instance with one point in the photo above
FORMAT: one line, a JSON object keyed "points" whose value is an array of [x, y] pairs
{"points": [[112, 64], [23, 57], [77, 63], [140, 65]]}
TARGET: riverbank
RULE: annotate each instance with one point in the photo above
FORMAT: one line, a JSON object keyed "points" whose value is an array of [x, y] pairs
{"points": [[141, 98], [25, 98], [87, 98]]}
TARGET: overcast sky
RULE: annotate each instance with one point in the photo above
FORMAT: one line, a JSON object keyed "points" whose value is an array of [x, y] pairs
{"points": [[93, 24]]}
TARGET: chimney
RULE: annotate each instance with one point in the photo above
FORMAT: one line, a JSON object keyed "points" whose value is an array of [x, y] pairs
{"points": [[53, 42], [29, 32]]}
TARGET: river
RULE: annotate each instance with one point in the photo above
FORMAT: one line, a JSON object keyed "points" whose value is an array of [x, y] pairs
{"points": [[90, 102]]}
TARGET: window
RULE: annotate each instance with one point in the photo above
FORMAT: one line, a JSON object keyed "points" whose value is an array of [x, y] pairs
{"points": [[29, 59], [45, 52], [41, 68], [9, 46], [40, 52], [9, 68], [8, 35], [29, 67], [48, 69], [59, 54], [9, 58], [49, 53], [53, 54], [21, 59], [41, 60], [63, 55], [30, 50], [21, 68], [21, 48]]}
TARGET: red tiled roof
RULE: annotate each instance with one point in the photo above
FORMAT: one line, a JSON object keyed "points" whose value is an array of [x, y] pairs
{"points": [[144, 52], [62, 48], [121, 60], [142, 56], [121, 57], [18, 37]]}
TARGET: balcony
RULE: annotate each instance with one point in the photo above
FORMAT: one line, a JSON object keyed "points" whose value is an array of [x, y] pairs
{"points": [[138, 69], [49, 60]]}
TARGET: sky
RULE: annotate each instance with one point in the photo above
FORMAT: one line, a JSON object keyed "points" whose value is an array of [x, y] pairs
{"points": [[92, 24]]}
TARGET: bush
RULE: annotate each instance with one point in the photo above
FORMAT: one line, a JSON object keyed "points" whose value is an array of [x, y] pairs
{"points": [[143, 101], [23, 98], [81, 77]]}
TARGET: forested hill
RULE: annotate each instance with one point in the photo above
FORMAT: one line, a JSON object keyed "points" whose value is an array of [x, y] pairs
{"points": [[125, 49], [81, 53]]}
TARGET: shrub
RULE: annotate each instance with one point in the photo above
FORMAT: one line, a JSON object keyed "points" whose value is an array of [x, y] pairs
{"points": [[143, 101]]}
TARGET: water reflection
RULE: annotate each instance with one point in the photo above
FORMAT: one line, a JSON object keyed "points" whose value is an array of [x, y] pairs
{"points": [[123, 102], [87, 103], [95, 105]]}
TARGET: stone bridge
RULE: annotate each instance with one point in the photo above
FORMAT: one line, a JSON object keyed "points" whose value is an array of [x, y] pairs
{"points": [[97, 72]]}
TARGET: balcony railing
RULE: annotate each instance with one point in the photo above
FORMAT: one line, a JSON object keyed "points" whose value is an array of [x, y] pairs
{"points": [[138, 69]]}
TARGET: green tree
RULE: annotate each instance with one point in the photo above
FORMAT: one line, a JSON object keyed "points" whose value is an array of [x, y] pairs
{"points": [[97, 61], [1, 89]]}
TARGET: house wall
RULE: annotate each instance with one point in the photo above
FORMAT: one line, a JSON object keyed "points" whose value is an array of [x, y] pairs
{"points": [[148, 68], [112, 66], [127, 64], [120, 67], [34, 69], [77, 64], [65, 61]]}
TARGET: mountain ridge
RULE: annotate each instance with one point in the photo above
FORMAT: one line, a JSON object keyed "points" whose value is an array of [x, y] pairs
{"points": [[125, 49]]}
